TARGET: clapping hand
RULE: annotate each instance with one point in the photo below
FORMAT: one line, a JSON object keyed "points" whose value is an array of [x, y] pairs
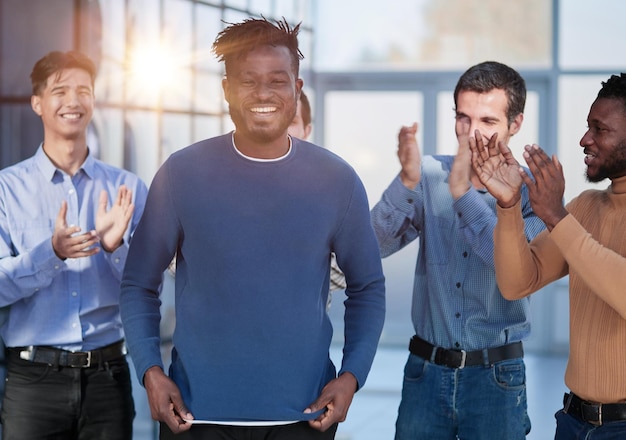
{"points": [[497, 169]]}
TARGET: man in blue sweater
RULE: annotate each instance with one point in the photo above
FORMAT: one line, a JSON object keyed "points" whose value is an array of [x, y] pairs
{"points": [[253, 217]]}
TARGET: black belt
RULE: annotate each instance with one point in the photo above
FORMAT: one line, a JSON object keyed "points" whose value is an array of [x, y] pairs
{"points": [[594, 413], [462, 358], [74, 359]]}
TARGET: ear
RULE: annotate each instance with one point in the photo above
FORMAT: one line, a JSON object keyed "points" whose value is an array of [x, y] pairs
{"points": [[35, 103], [307, 130], [516, 124], [226, 89], [299, 85]]}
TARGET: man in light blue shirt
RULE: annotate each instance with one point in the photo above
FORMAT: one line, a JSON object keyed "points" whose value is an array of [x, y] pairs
{"points": [[465, 376], [66, 220]]}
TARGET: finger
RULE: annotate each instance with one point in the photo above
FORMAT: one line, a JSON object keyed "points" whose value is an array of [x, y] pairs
{"points": [[61, 222], [103, 202], [480, 146], [492, 145], [539, 164], [476, 158]]}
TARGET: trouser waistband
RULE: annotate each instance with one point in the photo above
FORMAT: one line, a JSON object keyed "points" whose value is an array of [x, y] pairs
{"points": [[462, 358]]}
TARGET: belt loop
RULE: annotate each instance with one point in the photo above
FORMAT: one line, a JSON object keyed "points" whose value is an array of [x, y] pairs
{"points": [[568, 402], [433, 355], [486, 357]]}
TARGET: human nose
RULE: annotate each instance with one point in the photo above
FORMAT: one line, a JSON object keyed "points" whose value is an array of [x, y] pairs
{"points": [[262, 89], [71, 98], [586, 139]]}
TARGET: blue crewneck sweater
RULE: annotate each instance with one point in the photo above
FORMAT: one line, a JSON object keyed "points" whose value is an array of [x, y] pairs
{"points": [[253, 243]]}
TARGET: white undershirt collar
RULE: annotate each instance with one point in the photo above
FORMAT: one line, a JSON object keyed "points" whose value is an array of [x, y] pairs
{"points": [[256, 159]]}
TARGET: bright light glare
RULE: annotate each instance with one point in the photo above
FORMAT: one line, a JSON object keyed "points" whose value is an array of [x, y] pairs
{"points": [[153, 68]]}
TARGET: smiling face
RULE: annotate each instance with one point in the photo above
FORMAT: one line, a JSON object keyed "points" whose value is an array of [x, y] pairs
{"points": [[65, 105], [486, 112], [604, 142], [262, 90]]}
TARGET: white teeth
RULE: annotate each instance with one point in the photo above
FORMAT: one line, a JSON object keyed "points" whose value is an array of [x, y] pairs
{"points": [[71, 115], [263, 109]]}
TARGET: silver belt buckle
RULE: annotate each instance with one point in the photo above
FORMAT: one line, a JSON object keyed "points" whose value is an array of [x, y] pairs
{"points": [[463, 359], [599, 421], [28, 354], [88, 360]]}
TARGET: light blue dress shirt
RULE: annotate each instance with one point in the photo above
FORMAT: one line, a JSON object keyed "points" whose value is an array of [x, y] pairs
{"points": [[73, 303], [456, 301]]}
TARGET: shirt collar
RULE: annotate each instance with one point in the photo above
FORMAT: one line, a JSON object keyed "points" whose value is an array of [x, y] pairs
{"points": [[49, 169]]}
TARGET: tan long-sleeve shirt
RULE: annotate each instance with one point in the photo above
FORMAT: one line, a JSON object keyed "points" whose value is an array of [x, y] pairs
{"points": [[589, 245]]}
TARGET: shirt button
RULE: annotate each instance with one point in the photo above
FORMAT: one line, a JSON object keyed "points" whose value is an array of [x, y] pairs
{"points": [[409, 200], [117, 260], [458, 285], [464, 254], [71, 191], [457, 314], [457, 345], [74, 293], [74, 325]]}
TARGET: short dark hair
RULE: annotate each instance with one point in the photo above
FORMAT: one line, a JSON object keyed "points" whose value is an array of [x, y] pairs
{"points": [[305, 108], [55, 62], [489, 75], [237, 40], [614, 88]]}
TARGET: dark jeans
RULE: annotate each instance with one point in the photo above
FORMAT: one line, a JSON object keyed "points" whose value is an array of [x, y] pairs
{"points": [[299, 431], [569, 427], [47, 402]]}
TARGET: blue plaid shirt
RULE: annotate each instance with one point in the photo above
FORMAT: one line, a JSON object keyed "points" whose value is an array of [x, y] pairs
{"points": [[456, 302]]}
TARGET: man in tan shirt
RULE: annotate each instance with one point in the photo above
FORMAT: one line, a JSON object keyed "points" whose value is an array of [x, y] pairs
{"points": [[584, 239]]}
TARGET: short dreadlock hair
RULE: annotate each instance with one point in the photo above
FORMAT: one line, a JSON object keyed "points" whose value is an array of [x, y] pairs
{"points": [[239, 39], [614, 88]]}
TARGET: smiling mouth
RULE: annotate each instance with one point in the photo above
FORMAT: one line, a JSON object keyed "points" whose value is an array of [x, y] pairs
{"points": [[72, 116], [263, 110], [589, 157]]}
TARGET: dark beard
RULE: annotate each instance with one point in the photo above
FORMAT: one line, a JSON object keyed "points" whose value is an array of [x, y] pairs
{"points": [[259, 135], [615, 167]]}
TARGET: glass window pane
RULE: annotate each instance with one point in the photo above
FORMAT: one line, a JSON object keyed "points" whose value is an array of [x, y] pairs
{"points": [[577, 93], [205, 127], [591, 33], [142, 151], [207, 25], [208, 95], [106, 136], [175, 134], [432, 34], [362, 127]]}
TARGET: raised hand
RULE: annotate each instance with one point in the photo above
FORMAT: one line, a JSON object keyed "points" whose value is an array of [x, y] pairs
{"points": [[547, 189], [66, 240], [497, 169], [460, 173], [410, 157], [111, 224]]}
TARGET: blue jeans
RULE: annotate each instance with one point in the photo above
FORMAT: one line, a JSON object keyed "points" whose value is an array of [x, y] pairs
{"points": [[473, 403], [62, 403], [569, 427]]}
